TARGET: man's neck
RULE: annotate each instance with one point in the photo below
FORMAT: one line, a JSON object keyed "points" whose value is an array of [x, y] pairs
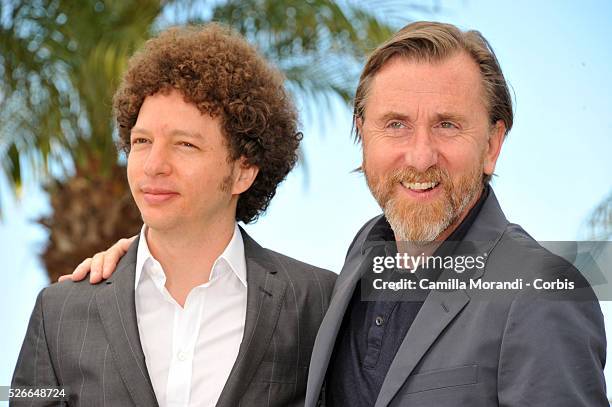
{"points": [[449, 230], [187, 255]]}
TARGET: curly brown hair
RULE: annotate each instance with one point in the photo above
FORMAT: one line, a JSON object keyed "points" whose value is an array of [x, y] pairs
{"points": [[224, 76]]}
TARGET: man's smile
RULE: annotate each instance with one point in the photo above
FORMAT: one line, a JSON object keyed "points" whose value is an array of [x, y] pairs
{"points": [[154, 196], [421, 190]]}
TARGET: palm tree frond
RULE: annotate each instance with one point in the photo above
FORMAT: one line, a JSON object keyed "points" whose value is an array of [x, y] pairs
{"points": [[598, 226]]}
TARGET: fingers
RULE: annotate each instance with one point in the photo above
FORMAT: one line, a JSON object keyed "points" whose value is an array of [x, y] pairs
{"points": [[97, 262], [101, 265], [79, 273], [125, 243], [113, 254], [64, 278]]}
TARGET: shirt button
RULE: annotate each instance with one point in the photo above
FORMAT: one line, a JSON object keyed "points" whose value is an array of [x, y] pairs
{"points": [[182, 356], [379, 321]]}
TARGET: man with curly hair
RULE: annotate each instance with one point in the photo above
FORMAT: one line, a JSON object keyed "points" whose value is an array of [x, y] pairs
{"points": [[197, 313]]}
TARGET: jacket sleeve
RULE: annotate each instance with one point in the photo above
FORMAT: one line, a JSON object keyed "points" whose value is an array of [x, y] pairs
{"points": [[34, 367], [553, 353]]}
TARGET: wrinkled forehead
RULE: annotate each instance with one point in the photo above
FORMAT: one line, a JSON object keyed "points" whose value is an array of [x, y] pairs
{"points": [[402, 81]]}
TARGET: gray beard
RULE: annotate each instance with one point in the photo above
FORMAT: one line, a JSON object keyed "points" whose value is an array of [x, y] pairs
{"points": [[429, 231]]}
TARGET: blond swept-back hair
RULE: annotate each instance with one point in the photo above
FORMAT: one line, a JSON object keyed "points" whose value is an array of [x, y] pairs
{"points": [[432, 42]]}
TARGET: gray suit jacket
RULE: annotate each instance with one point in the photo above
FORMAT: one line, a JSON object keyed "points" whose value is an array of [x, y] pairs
{"points": [[517, 349], [86, 336]]}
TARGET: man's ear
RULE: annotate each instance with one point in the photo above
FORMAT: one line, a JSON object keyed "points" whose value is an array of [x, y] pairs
{"points": [[244, 175], [359, 127], [494, 144]]}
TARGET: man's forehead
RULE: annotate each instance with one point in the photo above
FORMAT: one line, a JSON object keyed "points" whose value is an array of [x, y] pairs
{"points": [[405, 99], [443, 84]]}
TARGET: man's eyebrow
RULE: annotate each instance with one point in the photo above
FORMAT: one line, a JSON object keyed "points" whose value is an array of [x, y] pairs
{"points": [[392, 115], [139, 130], [174, 133], [185, 133], [450, 116]]}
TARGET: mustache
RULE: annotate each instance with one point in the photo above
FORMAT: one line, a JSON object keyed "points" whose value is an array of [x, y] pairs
{"points": [[411, 174]]}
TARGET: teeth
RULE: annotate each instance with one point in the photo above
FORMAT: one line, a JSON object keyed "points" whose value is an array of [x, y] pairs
{"points": [[419, 186]]}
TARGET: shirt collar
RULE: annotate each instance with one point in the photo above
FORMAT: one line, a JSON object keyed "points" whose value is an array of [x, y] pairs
{"points": [[232, 256]]}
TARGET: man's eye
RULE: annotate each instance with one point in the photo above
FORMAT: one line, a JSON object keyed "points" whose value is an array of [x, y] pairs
{"points": [[447, 125], [396, 125], [139, 140], [186, 144]]}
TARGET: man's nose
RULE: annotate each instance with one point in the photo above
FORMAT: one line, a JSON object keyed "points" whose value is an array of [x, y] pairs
{"points": [[157, 161], [421, 153]]}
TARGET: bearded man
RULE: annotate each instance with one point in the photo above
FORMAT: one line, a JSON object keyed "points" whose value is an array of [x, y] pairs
{"points": [[432, 110]]}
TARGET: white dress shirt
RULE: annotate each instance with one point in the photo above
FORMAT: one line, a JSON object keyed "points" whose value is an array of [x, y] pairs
{"points": [[190, 351]]}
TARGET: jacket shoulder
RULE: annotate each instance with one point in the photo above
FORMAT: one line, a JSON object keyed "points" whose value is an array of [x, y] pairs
{"points": [[66, 295], [532, 260], [362, 233], [305, 273]]}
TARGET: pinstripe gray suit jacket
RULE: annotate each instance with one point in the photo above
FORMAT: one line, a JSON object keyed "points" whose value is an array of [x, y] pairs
{"points": [[86, 336]]}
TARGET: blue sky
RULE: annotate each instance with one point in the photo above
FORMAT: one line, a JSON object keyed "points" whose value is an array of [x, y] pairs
{"points": [[554, 167]]}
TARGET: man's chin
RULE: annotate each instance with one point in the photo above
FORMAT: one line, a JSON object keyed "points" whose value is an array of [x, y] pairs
{"points": [[421, 223], [159, 223], [421, 235]]}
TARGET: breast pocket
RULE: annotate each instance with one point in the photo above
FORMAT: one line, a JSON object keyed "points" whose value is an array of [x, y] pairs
{"points": [[441, 378]]}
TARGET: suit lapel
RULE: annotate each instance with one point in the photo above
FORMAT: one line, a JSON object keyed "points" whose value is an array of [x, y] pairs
{"points": [[438, 310], [326, 337], [265, 295], [116, 306]]}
